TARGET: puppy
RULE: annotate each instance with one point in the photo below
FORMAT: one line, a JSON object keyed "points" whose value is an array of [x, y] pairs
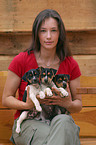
{"points": [[46, 82], [33, 79], [61, 81]]}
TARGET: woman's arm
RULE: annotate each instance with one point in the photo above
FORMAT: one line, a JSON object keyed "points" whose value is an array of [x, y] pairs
{"points": [[8, 98], [75, 105]]}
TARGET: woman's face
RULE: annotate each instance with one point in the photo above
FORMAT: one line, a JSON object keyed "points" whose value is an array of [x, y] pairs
{"points": [[48, 34]]}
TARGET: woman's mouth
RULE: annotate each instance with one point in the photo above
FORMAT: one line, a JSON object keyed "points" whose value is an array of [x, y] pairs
{"points": [[49, 42]]}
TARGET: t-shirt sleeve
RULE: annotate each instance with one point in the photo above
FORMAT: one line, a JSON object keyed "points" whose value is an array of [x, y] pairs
{"points": [[17, 64], [75, 72]]}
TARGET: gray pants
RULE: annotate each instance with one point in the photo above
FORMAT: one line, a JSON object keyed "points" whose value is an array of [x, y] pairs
{"points": [[61, 131]]}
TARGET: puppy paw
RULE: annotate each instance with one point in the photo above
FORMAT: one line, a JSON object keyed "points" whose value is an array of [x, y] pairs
{"points": [[48, 92], [38, 108], [63, 92], [42, 95], [18, 130]]}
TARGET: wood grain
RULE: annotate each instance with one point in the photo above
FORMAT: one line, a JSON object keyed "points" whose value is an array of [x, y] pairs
{"points": [[86, 90], [86, 119], [6, 123], [19, 15], [80, 42], [88, 141]]}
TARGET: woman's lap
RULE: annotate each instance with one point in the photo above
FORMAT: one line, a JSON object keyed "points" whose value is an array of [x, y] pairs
{"points": [[37, 132]]}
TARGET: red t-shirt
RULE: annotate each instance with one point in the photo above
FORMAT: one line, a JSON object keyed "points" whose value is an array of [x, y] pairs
{"points": [[23, 62]]}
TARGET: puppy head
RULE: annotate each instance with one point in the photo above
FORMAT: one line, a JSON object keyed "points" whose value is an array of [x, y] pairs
{"points": [[32, 76], [47, 75], [61, 80]]}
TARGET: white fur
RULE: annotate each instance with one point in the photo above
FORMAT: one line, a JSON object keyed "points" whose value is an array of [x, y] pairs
{"points": [[47, 91], [61, 90], [32, 94]]}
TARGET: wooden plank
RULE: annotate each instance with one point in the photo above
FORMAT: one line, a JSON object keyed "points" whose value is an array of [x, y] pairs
{"points": [[86, 90], [80, 42], [89, 99], [14, 43], [6, 143], [3, 76], [19, 15], [86, 119], [87, 64], [88, 81], [84, 141], [6, 123], [88, 141]]}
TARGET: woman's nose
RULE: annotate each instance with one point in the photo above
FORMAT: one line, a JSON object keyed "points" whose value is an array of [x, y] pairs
{"points": [[48, 34]]}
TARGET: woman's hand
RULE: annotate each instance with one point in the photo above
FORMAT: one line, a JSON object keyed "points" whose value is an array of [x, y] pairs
{"points": [[73, 103], [57, 99], [29, 103]]}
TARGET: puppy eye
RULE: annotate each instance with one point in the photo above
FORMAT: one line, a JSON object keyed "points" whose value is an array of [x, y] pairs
{"points": [[44, 74], [60, 80], [48, 73], [30, 75]]}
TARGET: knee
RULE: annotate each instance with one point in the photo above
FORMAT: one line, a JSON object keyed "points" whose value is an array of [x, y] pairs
{"points": [[61, 119]]}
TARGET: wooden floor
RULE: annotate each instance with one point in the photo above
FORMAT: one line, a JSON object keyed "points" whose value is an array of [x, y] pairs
{"points": [[88, 141], [84, 141]]}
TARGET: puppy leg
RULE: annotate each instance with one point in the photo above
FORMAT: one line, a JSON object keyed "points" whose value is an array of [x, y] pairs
{"points": [[19, 121], [63, 92], [42, 95], [36, 102], [48, 92]]}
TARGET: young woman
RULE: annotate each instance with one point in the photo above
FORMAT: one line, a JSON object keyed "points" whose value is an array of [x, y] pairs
{"points": [[49, 49]]}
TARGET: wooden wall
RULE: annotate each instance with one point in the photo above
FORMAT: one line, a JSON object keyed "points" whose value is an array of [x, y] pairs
{"points": [[79, 17]]}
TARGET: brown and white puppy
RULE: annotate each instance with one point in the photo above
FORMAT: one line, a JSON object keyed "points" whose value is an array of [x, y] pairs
{"points": [[61, 81], [32, 77], [46, 80], [49, 79]]}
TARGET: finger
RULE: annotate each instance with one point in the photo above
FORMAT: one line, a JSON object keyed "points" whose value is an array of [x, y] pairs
{"points": [[55, 90], [68, 88]]}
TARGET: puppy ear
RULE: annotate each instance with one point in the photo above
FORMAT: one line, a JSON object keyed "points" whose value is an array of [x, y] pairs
{"points": [[41, 68], [25, 77], [53, 71], [54, 78], [38, 69], [67, 77]]}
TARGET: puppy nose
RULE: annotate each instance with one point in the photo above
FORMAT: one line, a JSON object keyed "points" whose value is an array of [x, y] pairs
{"points": [[46, 80], [64, 85], [34, 80]]}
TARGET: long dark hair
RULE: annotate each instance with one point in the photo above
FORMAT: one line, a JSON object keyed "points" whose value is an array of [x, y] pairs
{"points": [[62, 49]]}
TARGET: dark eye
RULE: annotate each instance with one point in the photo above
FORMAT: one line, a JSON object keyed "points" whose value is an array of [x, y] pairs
{"points": [[30, 75], [48, 73], [42, 30], [44, 74], [60, 80], [54, 30]]}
